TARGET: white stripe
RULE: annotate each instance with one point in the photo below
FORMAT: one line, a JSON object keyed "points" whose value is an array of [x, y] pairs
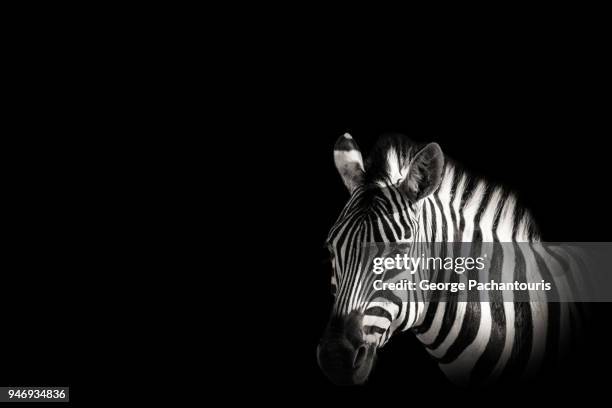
{"points": [[453, 334], [430, 335], [539, 315], [457, 369]]}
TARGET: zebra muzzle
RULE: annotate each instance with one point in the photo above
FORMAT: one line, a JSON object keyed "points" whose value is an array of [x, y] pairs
{"points": [[342, 354]]}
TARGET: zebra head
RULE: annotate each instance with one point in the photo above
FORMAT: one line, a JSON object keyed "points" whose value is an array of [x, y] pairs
{"points": [[384, 206]]}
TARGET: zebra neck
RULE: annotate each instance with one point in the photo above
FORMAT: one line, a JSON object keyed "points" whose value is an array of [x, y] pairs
{"points": [[467, 209]]}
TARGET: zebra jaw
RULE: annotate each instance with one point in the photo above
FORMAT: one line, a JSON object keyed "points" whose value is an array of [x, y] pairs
{"points": [[343, 354]]}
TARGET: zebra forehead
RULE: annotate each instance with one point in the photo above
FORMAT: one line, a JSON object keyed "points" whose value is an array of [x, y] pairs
{"points": [[373, 196], [389, 159], [373, 204]]}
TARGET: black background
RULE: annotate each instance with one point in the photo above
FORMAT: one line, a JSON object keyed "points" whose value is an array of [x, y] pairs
{"points": [[530, 113], [44, 260]]}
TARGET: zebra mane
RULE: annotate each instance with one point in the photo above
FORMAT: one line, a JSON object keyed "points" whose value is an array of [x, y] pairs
{"points": [[390, 159]]}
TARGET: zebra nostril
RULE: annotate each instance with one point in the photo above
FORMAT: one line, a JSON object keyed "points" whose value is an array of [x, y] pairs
{"points": [[360, 356]]}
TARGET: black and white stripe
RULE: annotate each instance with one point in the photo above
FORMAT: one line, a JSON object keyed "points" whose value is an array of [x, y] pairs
{"points": [[479, 341]]}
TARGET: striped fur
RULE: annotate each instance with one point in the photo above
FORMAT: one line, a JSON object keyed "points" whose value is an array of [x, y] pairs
{"points": [[480, 341]]}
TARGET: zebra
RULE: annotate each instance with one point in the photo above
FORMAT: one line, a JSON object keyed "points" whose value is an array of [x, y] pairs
{"points": [[411, 193]]}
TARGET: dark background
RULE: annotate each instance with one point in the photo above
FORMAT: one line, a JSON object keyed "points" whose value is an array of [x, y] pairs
{"points": [[536, 127], [43, 262], [531, 113]]}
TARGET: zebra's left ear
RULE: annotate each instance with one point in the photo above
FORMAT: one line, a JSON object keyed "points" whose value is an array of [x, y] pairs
{"points": [[424, 172], [349, 162]]}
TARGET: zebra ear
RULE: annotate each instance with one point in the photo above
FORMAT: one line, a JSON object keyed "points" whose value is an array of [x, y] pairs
{"points": [[349, 162], [424, 172]]}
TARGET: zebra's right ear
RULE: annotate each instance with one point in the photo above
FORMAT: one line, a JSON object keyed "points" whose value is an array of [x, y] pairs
{"points": [[349, 162]]}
